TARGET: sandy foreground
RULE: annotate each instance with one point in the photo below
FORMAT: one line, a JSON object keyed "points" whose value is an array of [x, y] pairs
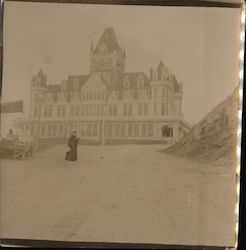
{"points": [[122, 193]]}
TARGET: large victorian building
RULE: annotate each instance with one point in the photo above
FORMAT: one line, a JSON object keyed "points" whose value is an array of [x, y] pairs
{"points": [[108, 105]]}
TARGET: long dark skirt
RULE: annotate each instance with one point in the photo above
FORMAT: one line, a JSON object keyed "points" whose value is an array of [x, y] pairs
{"points": [[72, 155]]}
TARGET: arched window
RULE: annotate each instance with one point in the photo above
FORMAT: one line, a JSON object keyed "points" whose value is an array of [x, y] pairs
{"points": [[43, 131]]}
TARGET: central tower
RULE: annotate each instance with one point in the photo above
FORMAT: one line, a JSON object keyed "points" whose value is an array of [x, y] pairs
{"points": [[108, 58]]}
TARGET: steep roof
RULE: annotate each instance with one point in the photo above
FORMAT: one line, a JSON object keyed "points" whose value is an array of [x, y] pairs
{"points": [[40, 73], [81, 80], [54, 88], [133, 80], [109, 40]]}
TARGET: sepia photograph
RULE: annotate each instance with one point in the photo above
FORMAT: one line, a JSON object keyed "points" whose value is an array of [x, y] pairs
{"points": [[119, 123]]}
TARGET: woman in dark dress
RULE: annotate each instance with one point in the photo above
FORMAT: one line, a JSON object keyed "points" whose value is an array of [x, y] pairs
{"points": [[72, 144]]}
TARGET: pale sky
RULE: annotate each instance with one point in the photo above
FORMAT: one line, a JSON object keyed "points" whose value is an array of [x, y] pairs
{"points": [[200, 45]]}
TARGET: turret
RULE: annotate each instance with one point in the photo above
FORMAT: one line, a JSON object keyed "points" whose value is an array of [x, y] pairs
{"points": [[38, 89], [166, 93], [107, 59]]}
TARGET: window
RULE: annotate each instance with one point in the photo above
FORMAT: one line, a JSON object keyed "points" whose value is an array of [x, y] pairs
{"points": [[164, 109], [90, 110], [54, 130], [65, 130], [49, 130], [140, 109], [45, 111], [63, 111], [136, 130], [155, 93], [110, 111], [102, 110], [32, 130], [126, 83], [60, 130], [35, 111], [130, 129], [83, 130], [123, 129], [95, 128], [155, 108], [94, 131], [145, 109], [102, 49], [150, 130], [165, 92], [43, 131], [115, 110], [58, 111], [72, 110], [129, 109], [82, 110], [143, 131], [110, 129], [89, 129], [86, 110], [125, 109], [117, 129], [140, 81], [98, 109], [50, 111], [77, 110]]}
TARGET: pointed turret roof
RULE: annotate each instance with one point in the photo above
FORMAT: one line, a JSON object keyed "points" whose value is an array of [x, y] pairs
{"points": [[109, 40], [40, 72], [161, 65]]}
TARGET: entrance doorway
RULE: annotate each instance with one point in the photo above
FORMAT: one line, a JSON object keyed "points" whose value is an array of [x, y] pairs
{"points": [[167, 131]]}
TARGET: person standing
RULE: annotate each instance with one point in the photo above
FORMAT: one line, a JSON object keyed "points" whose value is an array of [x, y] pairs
{"points": [[72, 144]]}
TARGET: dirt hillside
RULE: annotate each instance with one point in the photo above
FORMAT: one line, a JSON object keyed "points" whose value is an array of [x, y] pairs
{"points": [[214, 137]]}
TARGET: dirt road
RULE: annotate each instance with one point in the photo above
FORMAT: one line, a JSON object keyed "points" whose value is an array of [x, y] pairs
{"points": [[125, 193]]}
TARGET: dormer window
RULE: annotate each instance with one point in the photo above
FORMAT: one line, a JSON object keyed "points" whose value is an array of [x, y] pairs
{"points": [[102, 49], [126, 83], [140, 81]]}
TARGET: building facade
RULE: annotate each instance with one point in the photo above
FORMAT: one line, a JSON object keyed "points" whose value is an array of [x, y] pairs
{"points": [[108, 104]]}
